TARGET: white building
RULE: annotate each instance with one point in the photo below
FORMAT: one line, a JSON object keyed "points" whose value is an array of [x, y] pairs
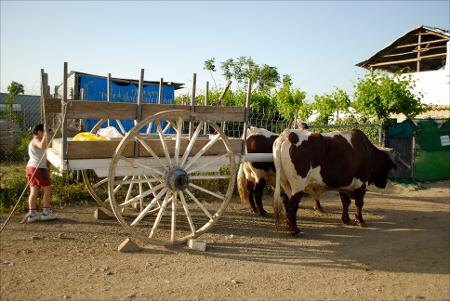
{"points": [[424, 53]]}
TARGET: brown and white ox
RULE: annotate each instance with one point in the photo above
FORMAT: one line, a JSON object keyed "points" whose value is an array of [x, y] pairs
{"points": [[253, 176], [314, 163]]}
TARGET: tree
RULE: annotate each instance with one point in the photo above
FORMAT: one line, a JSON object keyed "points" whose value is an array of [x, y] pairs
{"points": [[14, 89], [328, 104], [209, 66], [379, 94], [291, 102], [243, 68]]}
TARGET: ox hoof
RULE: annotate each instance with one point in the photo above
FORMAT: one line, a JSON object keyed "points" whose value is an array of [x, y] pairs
{"points": [[360, 223], [262, 212], [318, 209], [345, 219]]}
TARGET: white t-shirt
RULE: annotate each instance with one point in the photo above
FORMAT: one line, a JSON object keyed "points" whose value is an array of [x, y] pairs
{"points": [[35, 156]]}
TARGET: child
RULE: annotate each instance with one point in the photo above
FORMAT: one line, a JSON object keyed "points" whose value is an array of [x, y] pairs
{"points": [[38, 176]]}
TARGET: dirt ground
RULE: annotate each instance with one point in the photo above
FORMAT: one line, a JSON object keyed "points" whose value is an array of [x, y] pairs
{"points": [[402, 254]]}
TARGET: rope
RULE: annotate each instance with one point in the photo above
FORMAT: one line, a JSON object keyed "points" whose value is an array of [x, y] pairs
{"points": [[28, 183]]}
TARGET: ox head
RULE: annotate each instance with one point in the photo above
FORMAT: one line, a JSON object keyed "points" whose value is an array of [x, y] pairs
{"points": [[388, 163], [395, 156]]}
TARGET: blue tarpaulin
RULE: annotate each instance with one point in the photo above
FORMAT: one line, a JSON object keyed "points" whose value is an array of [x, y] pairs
{"points": [[94, 88]]}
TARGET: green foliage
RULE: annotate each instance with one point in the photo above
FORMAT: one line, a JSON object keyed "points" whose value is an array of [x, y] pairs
{"points": [[242, 68], [291, 102], [210, 66], [14, 89], [379, 94], [328, 104]]}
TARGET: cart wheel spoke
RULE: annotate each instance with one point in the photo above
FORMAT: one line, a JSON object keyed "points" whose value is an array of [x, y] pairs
{"points": [[148, 207], [173, 225], [144, 194], [217, 195], [150, 150], [191, 144], [178, 140], [135, 162], [163, 142], [202, 151], [207, 164], [167, 198], [122, 128], [186, 210], [149, 127], [103, 181], [199, 204]]}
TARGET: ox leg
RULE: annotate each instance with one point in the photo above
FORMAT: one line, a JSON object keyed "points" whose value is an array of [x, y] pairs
{"points": [[359, 203], [259, 195], [251, 193], [291, 205], [345, 203], [317, 207]]}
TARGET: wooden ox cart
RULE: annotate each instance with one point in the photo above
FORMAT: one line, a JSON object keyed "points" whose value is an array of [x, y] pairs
{"points": [[169, 178]]}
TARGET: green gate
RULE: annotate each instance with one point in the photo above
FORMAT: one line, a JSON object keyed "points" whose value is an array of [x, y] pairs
{"points": [[432, 160]]}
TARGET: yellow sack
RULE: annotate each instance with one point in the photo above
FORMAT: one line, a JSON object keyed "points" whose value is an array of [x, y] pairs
{"points": [[85, 136]]}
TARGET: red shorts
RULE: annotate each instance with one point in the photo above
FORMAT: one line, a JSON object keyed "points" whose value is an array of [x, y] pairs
{"points": [[40, 178]]}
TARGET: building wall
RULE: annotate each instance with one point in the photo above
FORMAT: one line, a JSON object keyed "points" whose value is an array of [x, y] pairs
{"points": [[434, 85]]}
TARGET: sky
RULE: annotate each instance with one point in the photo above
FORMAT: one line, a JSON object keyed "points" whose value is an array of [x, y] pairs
{"points": [[318, 43]]}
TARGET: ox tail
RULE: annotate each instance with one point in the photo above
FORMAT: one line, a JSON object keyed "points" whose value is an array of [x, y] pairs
{"points": [[277, 203], [242, 185]]}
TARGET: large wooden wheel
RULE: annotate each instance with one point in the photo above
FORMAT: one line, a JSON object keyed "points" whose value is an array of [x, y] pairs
{"points": [[185, 174]]}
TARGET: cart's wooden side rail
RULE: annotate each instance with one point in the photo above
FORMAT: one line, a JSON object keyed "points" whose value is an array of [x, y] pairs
{"points": [[106, 149], [123, 110]]}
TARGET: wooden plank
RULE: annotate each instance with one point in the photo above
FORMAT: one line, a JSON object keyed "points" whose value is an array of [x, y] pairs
{"points": [[101, 109], [124, 110], [423, 43], [105, 149], [414, 51]]}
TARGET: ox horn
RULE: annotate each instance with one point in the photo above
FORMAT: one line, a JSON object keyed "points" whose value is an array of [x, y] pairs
{"points": [[396, 156]]}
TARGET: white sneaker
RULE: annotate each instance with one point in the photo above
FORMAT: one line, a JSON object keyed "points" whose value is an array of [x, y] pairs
{"points": [[32, 217], [49, 216]]}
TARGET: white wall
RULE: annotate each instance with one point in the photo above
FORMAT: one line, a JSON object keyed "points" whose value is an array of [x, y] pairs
{"points": [[434, 85]]}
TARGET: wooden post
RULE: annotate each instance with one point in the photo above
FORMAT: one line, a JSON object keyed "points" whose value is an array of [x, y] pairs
{"points": [[139, 109], [44, 95], [222, 95], [42, 104], [64, 118], [247, 113], [419, 39], [160, 90], [205, 126], [108, 92], [191, 124]]}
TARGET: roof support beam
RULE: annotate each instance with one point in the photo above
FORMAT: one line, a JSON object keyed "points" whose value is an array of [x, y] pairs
{"points": [[408, 60], [422, 43]]}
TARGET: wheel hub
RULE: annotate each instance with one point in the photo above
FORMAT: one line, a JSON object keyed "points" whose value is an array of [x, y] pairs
{"points": [[177, 179]]}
